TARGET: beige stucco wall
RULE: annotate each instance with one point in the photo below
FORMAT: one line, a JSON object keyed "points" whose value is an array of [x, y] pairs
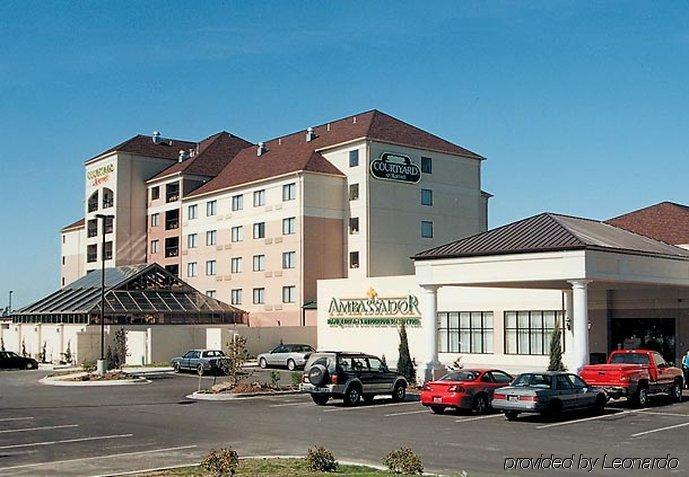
{"points": [[73, 253]]}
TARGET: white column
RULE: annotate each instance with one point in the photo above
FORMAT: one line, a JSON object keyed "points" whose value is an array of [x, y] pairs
{"points": [[429, 320], [580, 324]]}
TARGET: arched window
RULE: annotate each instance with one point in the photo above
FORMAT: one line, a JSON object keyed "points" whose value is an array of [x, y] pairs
{"points": [[93, 202], [108, 198]]}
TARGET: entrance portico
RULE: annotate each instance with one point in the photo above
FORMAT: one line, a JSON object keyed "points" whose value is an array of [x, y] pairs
{"points": [[551, 252]]}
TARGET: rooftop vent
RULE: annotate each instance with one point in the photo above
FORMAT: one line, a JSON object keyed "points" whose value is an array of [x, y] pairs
{"points": [[354, 120], [156, 137], [183, 155], [310, 135], [261, 149]]}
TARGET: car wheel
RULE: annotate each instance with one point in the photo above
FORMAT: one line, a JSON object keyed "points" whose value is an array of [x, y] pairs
{"points": [[399, 392], [641, 397], [511, 415], [320, 399], [481, 404], [291, 365], [368, 398], [262, 363], [200, 370], [352, 395], [601, 401], [438, 409], [677, 392], [176, 368]]}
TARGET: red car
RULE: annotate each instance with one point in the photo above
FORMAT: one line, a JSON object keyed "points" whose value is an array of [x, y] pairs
{"points": [[464, 389]]}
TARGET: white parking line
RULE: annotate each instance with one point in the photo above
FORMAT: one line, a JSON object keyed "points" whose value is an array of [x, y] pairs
{"points": [[66, 441], [406, 413], [303, 403], [638, 434], [107, 456], [374, 406], [42, 428], [576, 421], [671, 414], [478, 418], [15, 419]]}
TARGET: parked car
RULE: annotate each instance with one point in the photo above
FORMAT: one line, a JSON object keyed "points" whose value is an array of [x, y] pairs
{"points": [[635, 374], [464, 389], [547, 393], [351, 377], [291, 355], [11, 360], [200, 360]]}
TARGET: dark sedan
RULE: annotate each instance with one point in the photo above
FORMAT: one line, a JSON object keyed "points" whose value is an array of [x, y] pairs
{"points": [[10, 360], [547, 393]]}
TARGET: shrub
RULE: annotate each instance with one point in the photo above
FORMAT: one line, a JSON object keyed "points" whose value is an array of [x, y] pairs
{"points": [[556, 350], [89, 366], [221, 463], [320, 459], [296, 379], [235, 357], [275, 379], [24, 353], [2, 344], [67, 355], [43, 354], [119, 350], [405, 366], [403, 461]]}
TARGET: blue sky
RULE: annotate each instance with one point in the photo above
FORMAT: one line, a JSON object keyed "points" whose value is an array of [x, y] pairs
{"points": [[580, 107]]}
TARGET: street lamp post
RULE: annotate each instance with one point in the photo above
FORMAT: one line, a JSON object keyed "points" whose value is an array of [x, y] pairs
{"points": [[9, 305], [101, 362]]}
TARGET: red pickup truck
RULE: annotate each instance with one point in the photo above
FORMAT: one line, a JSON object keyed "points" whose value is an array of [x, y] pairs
{"points": [[635, 374]]}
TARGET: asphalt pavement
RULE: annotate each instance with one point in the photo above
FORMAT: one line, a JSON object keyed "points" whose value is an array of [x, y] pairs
{"points": [[47, 430]]}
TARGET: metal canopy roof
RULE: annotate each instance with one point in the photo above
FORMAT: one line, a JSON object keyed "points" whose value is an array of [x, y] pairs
{"points": [[147, 288], [553, 232]]}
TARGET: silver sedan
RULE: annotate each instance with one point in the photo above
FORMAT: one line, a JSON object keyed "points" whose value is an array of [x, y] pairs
{"points": [[290, 355]]}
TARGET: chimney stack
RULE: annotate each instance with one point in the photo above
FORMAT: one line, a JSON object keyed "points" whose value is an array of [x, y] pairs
{"points": [[310, 135], [261, 149], [183, 155], [156, 137]]}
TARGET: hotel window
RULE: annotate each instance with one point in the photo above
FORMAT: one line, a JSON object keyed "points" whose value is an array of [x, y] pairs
{"points": [[237, 234], [211, 207], [210, 267], [107, 250], [353, 191], [236, 265], [465, 332], [529, 332], [191, 240], [288, 225], [353, 259], [426, 197], [354, 158], [259, 296], [211, 237], [237, 202], [289, 259], [289, 192], [154, 246], [354, 225], [154, 220], [93, 202], [155, 193], [191, 269], [92, 228], [259, 198], [64, 238], [64, 260], [289, 294], [108, 224], [427, 165], [236, 296], [259, 263], [259, 230], [108, 198], [426, 229], [192, 212], [210, 293]]}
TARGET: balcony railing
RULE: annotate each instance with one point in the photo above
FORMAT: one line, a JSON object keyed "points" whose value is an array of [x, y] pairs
{"points": [[171, 224], [172, 197], [171, 252]]}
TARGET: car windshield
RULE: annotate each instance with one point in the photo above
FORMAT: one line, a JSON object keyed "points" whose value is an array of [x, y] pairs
{"points": [[533, 380], [629, 358], [460, 376]]}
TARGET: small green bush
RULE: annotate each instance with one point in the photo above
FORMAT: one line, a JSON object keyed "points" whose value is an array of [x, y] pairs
{"points": [[221, 463], [320, 459], [275, 379], [296, 379], [403, 461], [89, 366]]}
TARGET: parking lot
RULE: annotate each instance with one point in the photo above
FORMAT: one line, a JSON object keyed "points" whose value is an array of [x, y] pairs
{"points": [[48, 430]]}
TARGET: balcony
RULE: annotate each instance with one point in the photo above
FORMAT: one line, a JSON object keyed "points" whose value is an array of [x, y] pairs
{"points": [[172, 193], [172, 219], [171, 252]]}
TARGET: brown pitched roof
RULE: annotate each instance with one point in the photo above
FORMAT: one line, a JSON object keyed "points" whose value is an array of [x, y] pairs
{"points": [[74, 225], [293, 153], [211, 156], [144, 146], [666, 221], [549, 232]]}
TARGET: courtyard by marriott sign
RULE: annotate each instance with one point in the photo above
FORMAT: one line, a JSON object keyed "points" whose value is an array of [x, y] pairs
{"points": [[395, 167], [100, 175], [374, 311]]}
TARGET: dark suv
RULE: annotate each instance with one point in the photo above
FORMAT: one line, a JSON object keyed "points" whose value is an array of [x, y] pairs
{"points": [[351, 377]]}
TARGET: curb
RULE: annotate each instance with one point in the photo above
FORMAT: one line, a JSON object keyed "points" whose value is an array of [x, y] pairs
{"points": [[233, 397], [48, 381]]}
